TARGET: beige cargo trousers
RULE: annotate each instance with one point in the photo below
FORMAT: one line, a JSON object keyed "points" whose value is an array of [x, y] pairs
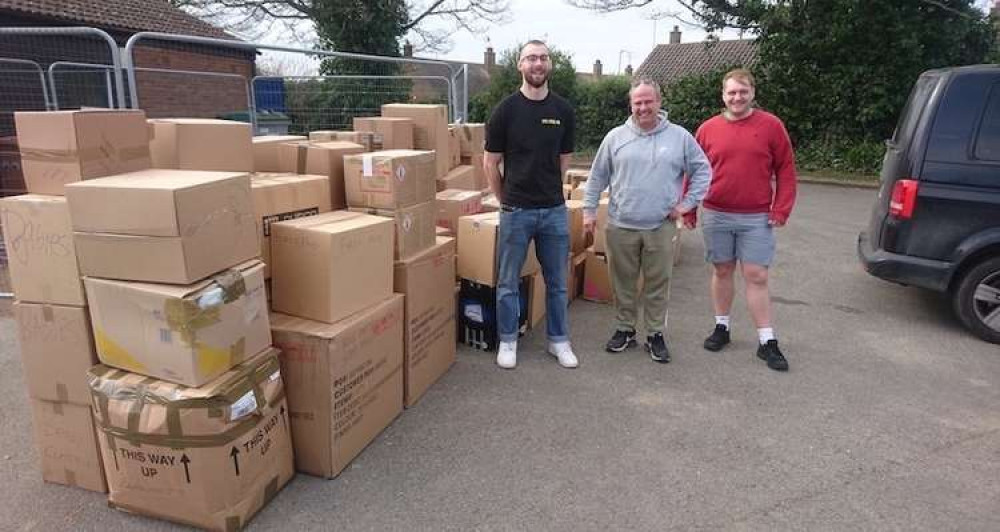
{"points": [[641, 264]]}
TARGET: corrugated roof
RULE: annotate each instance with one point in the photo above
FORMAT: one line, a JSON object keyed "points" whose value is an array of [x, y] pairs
{"points": [[122, 15], [669, 62]]}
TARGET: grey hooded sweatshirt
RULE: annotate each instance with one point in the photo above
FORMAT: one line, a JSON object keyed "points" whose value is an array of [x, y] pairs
{"points": [[645, 171]]}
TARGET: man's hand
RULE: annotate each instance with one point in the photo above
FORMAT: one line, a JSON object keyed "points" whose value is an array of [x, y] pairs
{"points": [[589, 224], [677, 212]]}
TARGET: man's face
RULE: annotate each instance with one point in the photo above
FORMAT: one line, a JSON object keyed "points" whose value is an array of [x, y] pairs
{"points": [[737, 95], [645, 102], [535, 65]]}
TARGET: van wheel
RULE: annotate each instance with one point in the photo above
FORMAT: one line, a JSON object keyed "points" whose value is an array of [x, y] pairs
{"points": [[977, 300]]}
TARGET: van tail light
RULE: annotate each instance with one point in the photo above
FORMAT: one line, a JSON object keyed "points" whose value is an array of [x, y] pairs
{"points": [[904, 199]]}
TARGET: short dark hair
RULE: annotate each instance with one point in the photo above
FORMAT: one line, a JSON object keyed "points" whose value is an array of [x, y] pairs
{"points": [[536, 42]]}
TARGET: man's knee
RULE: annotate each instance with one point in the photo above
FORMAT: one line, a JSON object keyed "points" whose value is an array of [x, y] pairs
{"points": [[723, 270], [755, 275]]}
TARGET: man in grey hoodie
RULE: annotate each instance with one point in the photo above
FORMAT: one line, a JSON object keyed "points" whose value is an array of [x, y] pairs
{"points": [[644, 162]]}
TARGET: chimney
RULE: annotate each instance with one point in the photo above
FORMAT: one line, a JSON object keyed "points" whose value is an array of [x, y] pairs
{"points": [[407, 49], [628, 70], [489, 59], [598, 68], [675, 36]]}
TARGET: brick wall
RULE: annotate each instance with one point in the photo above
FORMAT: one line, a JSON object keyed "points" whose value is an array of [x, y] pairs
{"points": [[164, 95]]}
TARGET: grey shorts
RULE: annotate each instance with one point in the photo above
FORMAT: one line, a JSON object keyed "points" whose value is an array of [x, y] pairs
{"points": [[744, 237]]}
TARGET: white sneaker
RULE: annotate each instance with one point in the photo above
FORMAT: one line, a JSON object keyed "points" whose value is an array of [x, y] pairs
{"points": [[507, 355], [564, 353]]}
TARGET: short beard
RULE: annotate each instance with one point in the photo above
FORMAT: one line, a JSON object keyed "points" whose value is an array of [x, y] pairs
{"points": [[528, 80]]}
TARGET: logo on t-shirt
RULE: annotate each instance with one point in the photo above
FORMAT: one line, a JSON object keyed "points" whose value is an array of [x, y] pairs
{"points": [[551, 122]]}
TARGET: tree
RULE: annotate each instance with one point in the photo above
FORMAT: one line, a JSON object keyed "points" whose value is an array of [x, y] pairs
{"points": [[506, 79]]}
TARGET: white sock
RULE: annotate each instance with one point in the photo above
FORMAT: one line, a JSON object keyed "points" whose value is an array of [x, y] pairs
{"points": [[765, 334], [722, 320]]}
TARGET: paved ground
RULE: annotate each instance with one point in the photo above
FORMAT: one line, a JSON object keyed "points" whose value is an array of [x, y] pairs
{"points": [[887, 420]]}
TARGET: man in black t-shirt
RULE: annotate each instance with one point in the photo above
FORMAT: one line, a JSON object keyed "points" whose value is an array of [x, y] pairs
{"points": [[531, 133]]}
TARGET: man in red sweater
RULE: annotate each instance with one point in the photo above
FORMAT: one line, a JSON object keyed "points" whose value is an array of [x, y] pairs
{"points": [[752, 192]]}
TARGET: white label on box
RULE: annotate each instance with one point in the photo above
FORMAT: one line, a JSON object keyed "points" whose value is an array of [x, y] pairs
{"points": [[243, 407], [366, 166], [474, 312]]}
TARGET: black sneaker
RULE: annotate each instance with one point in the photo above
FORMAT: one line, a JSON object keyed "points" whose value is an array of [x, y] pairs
{"points": [[657, 348], [770, 353], [718, 339], [621, 341]]}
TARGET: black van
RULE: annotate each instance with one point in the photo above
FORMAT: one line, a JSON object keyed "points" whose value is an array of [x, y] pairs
{"points": [[936, 222]]}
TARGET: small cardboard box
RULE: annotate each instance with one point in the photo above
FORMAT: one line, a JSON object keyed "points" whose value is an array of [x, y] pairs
{"points": [[461, 177], [208, 457], [414, 227], [201, 144], [472, 139], [265, 151], [367, 139], [344, 382], [577, 271], [393, 133], [430, 130], [389, 179], [427, 280], [597, 279], [453, 204], [578, 238], [536, 305], [476, 162], [574, 177], [477, 249], [184, 334], [292, 156], [330, 266], [67, 444], [277, 198], [57, 349], [602, 225], [41, 256], [327, 159], [168, 226], [454, 148], [580, 192], [60, 147], [490, 202]]}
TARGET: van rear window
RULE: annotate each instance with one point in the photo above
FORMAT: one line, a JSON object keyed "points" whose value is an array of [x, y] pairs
{"points": [[915, 105], [988, 140]]}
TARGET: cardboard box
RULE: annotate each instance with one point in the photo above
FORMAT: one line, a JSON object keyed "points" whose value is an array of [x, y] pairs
{"points": [[201, 144], [184, 334], [580, 191], [454, 148], [41, 256], [477, 249], [345, 382], [441, 231], [277, 198], [327, 159], [208, 457], [453, 204], [477, 313], [292, 156], [330, 266], [430, 130], [392, 133], [427, 280], [597, 279], [57, 349], [462, 178], [265, 151], [367, 139], [67, 444], [389, 179], [414, 227], [536, 305], [476, 162], [472, 139], [169, 226], [602, 225], [574, 177], [576, 274], [490, 202], [578, 237], [567, 191], [60, 147]]}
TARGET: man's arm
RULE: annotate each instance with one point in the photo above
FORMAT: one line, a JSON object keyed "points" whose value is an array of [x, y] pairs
{"points": [[785, 182], [600, 176], [699, 173], [491, 165]]}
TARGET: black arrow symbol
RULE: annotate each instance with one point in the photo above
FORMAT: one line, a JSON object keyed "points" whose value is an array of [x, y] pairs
{"points": [[185, 460], [235, 453]]}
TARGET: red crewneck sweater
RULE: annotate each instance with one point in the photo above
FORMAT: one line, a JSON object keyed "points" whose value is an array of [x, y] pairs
{"points": [[745, 154]]}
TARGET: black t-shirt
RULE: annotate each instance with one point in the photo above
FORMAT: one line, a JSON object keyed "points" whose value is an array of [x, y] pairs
{"points": [[531, 135]]}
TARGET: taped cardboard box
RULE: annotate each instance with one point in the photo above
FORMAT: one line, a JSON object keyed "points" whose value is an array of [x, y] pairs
{"points": [[578, 237], [368, 139], [184, 334], [576, 274], [67, 444], [490, 202], [580, 192], [292, 156], [476, 162], [472, 138], [536, 303], [600, 245], [201, 144], [395, 133], [462, 178], [168, 226], [209, 457], [597, 279], [327, 159], [574, 177], [330, 266], [414, 227], [41, 256], [265, 151], [477, 249], [389, 179], [277, 198], [453, 204], [427, 280], [57, 349], [60, 147], [454, 148], [344, 382], [430, 130]]}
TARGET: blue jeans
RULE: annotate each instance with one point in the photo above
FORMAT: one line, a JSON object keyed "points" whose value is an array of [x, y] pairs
{"points": [[549, 229]]}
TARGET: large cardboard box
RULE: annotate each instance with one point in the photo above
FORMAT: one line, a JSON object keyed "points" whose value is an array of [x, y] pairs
{"points": [[574, 177], [476, 162], [277, 198], [477, 249], [536, 305], [292, 156], [57, 349], [41, 256], [414, 227], [392, 133], [577, 264], [327, 159], [201, 144], [67, 444], [578, 238], [330, 266], [472, 138], [454, 148], [208, 457], [597, 278], [169, 226], [389, 179], [430, 129], [368, 139], [428, 281], [60, 147], [344, 382], [453, 204], [461, 177], [265, 151], [184, 334], [600, 245]]}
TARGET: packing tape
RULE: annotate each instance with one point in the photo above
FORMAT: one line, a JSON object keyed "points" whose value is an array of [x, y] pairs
{"points": [[47, 314], [105, 151], [232, 523], [270, 490], [203, 309], [57, 409], [70, 477], [62, 393]]}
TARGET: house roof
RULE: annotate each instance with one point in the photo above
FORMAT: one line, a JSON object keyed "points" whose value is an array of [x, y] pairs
{"points": [[669, 62], [129, 16]]}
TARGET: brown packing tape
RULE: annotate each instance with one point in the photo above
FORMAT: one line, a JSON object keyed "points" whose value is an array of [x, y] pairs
{"points": [[47, 314], [232, 523], [70, 477], [62, 393], [270, 490], [203, 309], [57, 409], [105, 151]]}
